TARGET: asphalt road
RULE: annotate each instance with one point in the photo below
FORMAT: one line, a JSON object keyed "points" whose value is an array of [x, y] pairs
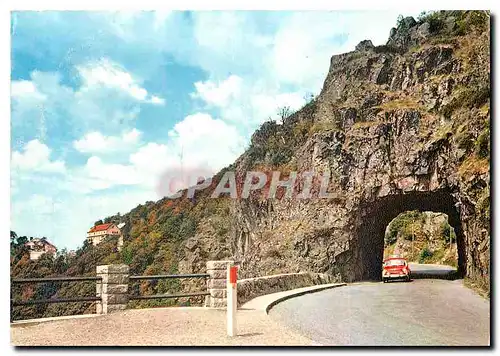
{"points": [[431, 270], [427, 312]]}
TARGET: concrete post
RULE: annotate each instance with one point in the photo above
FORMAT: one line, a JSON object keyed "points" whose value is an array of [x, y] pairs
{"points": [[114, 288], [232, 302], [217, 284]]}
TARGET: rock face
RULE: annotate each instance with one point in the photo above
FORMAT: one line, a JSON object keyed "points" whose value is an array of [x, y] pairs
{"points": [[400, 127]]}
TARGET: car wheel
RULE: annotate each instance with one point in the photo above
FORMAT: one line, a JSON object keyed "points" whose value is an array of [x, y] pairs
{"points": [[408, 279]]}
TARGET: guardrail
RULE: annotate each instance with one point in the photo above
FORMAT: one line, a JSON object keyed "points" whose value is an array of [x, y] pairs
{"points": [[54, 300], [168, 276], [112, 289]]}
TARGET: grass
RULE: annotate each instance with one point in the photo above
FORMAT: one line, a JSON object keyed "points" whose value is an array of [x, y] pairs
{"points": [[442, 132], [474, 166], [397, 104], [322, 126], [480, 286], [362, 124]]}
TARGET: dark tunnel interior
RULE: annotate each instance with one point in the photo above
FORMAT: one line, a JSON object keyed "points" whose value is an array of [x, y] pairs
{"points": [[377, 215]]}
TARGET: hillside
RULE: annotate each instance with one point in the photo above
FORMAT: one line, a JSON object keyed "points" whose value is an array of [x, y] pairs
{"points": [[422, 237], [402, 126]]}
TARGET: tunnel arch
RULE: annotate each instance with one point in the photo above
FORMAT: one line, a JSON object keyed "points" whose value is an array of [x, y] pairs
{"points": [[377, 215]]}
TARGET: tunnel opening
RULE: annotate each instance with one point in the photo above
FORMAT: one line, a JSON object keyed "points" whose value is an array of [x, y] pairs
{"points": [[422, 237], [376, 216]]}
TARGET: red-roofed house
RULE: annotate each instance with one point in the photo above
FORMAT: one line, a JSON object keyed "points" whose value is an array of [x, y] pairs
{"points": [[38, 247], [99, 232]]}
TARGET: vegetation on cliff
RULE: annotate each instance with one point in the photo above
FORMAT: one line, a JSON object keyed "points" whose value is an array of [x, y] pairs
{"points": [[422, 237], [430, 82]]}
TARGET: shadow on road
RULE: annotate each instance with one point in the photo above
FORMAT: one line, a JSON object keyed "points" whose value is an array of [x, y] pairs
{"points": [[422, 271]]}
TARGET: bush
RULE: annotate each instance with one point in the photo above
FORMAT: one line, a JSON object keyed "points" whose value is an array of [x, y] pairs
{"points": [[402, 224], [483, 144], [424, 255]]}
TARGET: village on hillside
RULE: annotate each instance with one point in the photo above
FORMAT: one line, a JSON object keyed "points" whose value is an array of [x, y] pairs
{"points": [[96, 234]]}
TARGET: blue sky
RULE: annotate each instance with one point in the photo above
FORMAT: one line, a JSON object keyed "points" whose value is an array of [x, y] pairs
{"points": [[104, 103]]}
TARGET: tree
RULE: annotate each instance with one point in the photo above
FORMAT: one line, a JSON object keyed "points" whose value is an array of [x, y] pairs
{"points": [[98, 222], [13, 237], [284, 112]]}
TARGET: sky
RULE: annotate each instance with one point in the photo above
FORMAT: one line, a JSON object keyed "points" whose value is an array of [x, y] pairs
{"points": [[105, 104]]}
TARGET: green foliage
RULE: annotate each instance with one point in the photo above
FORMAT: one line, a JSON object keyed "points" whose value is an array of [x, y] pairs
{"points": [[435, 20], [425, 254], [403, 224], [323, 127], [465, 21], [465, 140], [471, 21], [483, 143], [127, 255], [483, 205], [401, 24], [448, 232], [468, 98]]}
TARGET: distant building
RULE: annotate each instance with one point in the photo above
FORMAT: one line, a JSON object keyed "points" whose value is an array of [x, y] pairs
{"points": [[38, 247], [100, 232]]}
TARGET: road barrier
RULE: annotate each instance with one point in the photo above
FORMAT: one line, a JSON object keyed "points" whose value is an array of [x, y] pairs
{"points": [[169, 276], [54, 300], [112, 288]]}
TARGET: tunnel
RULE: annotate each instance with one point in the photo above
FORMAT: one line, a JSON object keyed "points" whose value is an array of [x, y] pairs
{"points": [[377, 215]]}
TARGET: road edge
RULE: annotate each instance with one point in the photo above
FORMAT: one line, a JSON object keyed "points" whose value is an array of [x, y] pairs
{"points": [[301, 293]]}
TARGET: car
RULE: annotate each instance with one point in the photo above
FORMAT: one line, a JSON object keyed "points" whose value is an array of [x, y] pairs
{"points": [[395, 268]]}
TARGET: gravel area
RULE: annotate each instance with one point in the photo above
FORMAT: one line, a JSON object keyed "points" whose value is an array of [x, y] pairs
{"points": [[158, 327]]}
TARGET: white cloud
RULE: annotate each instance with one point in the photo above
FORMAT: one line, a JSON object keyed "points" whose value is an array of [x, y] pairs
{"points": [[36, 158], [118, 174], [96, 142], [218, 94], [246, 104], [25, 89], [197, 141], [255, 63], [38, 204], [109, 74], [157, 100]]}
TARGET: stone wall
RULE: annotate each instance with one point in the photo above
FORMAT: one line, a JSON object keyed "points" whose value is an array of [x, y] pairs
{"points": [[250, 288]]}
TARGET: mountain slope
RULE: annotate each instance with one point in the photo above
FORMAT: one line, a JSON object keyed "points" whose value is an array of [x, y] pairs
{"points": [[400, 127]]}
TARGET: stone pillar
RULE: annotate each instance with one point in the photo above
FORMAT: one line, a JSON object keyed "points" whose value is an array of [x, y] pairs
{"points": [[114, 288], [216, 284]]}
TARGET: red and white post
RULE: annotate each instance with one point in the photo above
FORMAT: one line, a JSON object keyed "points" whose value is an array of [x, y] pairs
{"points": [[232, 273]]}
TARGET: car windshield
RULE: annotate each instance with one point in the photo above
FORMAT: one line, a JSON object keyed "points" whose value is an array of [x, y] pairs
{"points": [[395, 263]]}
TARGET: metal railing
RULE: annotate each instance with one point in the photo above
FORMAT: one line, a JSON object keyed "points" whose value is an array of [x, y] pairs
{"points": [[87, 299], [54, 300], [168, 276]]}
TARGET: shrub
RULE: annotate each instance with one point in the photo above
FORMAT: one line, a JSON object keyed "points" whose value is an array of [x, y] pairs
{"points": [[322, 127], [483, 144], [404, 225], [424, 255]]}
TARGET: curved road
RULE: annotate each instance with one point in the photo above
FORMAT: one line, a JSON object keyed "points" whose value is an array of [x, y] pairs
{"points": [[427, 312]]}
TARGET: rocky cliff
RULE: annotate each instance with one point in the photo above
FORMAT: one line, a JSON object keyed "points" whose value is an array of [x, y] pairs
{"points": [[404, 126]]}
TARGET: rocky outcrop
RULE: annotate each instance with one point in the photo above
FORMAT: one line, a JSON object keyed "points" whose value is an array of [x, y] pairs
{"points": [[400, 127]]}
